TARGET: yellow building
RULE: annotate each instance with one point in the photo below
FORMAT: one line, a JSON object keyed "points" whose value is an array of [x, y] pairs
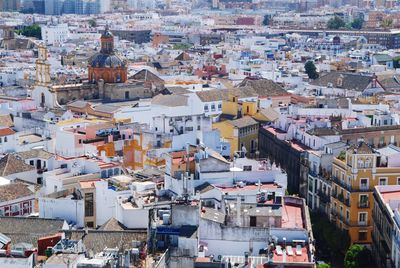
{"points": [[237, 108], [242, 134], [354, 175]]}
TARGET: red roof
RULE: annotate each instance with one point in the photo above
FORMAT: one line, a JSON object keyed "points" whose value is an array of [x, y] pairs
{"points": [[6, 132]]}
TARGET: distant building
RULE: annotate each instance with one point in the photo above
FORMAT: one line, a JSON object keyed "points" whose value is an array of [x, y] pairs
{"points": [[55, 34], [10, 5], [137, 36]]}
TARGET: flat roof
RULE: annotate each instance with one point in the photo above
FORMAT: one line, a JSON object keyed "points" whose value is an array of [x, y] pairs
{"points": [[292, 216], [253, 187], [292, 258]]}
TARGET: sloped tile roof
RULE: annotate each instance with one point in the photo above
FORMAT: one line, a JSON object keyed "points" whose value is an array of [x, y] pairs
{"points": [[35, 153], [11, 164], [112, 225], [263, 87], [350, 81], [243, 122], [29, 230], [97, 240], [14, 191], [6, 121], [6, 132]]}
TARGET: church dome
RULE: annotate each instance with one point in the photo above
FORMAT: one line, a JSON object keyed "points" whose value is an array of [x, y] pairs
{"points": [[101, 60]]}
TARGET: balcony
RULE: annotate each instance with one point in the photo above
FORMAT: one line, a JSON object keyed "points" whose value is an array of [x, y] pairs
{"points": [[358, 223], [341, 183], [334, 212], [343, 219], [364, 204], [323, 197], [348, 187]]}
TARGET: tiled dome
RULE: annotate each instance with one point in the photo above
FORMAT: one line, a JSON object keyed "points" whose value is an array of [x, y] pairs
{"points": [[101, 60]]}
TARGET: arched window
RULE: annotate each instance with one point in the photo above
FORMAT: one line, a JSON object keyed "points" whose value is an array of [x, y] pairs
{"points": [[360, 163]]}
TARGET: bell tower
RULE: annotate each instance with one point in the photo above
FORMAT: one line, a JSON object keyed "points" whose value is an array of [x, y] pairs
{"points": [[42, 68], [107, 42]]}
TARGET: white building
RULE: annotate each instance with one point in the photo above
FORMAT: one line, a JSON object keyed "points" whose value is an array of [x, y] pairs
{"points": [[55, 35]]}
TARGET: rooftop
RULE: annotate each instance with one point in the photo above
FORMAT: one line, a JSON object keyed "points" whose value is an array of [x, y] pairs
{"points": [[14, 191], [11, 164], [6, 132]]}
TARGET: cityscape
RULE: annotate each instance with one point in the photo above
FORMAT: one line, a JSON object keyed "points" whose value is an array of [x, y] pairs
{"points": [[199, 133]]}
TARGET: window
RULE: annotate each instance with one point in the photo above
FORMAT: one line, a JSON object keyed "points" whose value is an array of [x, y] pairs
{"points": [[362, 235], [213, 107], [14, 208], [363, 198], [368, 163], [364, 184], [32, 163], [5, 139], [360, 163], [219, 106], [362, 218], [382, 181], [89, 205], [398, 181], [246, 168], [206, 108], [126, 94], [1, 212], [253, 221]]}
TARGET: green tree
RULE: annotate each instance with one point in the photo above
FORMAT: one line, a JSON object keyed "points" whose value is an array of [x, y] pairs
{"points": [[324, 265], [396, 62], [387, 23], [357, 23], [31, 31], [92, 23], [182, 46], [335, 23], [311, 70], [331, 242], [267, 19], [357, 256]]}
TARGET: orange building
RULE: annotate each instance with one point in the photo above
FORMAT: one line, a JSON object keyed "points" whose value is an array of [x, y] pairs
{"points": [[107, 64]]}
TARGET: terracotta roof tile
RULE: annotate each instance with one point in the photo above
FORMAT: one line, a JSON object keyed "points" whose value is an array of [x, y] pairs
{"points": [[11, 164], [6, 132]]}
